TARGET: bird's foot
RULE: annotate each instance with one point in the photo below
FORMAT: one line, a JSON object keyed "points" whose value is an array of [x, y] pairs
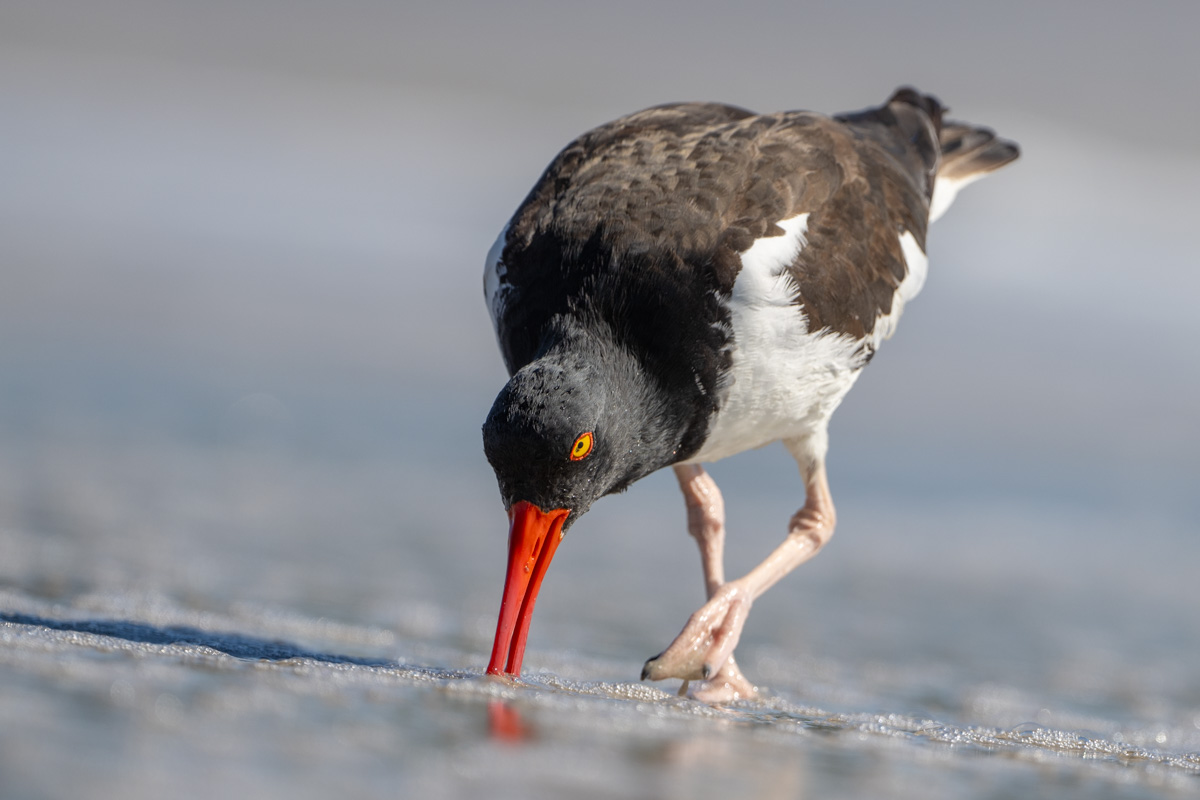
{"points": [[705, 645], [728, 685]]}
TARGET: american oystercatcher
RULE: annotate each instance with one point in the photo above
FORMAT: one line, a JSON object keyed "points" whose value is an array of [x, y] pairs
{"points": [[692, 281]]}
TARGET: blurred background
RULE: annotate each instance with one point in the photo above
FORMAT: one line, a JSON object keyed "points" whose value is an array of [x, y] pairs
{"points": [[244, 354]]}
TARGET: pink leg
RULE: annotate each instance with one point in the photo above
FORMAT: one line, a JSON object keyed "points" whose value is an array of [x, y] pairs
{"points": [[704, 647], [706, 524]]}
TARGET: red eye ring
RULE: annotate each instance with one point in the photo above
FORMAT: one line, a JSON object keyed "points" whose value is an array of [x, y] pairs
{"points": [[582, 447]]}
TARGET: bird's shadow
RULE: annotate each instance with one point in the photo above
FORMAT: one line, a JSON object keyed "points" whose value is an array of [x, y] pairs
{"points": [[238, 645]]}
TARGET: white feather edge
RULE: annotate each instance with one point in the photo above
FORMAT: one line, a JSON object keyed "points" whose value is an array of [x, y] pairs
{"points": [[916, 269], [495, 289]]}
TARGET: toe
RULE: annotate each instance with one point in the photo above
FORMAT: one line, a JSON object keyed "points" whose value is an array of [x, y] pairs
{"points": [[705, 644], [687, 664], [726, 686]]}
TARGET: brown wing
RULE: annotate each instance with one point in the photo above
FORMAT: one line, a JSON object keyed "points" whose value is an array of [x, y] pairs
{"points": [[677, 193]]}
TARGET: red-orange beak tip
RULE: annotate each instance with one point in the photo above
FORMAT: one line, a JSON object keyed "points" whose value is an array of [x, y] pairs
{"points": [[533, 537]]}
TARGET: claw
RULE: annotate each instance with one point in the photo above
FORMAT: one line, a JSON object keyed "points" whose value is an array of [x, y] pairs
{"points": [[648, 667]]}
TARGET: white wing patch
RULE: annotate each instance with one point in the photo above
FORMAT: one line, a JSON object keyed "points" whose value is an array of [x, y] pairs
{"points": [[495, 287], [785, 382]]}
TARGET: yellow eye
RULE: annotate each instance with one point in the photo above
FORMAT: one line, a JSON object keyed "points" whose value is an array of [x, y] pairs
{"points": [[582, 447]]}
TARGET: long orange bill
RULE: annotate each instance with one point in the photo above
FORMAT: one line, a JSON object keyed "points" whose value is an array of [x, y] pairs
{"points": [[532, 540]]}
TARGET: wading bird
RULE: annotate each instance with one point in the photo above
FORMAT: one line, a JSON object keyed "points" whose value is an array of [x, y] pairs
{"points": [[688, 282]]}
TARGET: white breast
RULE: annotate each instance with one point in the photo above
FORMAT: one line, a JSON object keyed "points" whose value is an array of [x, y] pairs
{"points": [[785, 381]]}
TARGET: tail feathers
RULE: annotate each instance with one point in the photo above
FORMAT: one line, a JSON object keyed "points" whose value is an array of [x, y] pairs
{"points": [[969, 153], [968, 150], [947, 154]]}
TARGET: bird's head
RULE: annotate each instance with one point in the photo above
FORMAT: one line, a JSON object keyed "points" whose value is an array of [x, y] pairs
{"points": [[549, 439], [554, 441], [580, 421]]}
